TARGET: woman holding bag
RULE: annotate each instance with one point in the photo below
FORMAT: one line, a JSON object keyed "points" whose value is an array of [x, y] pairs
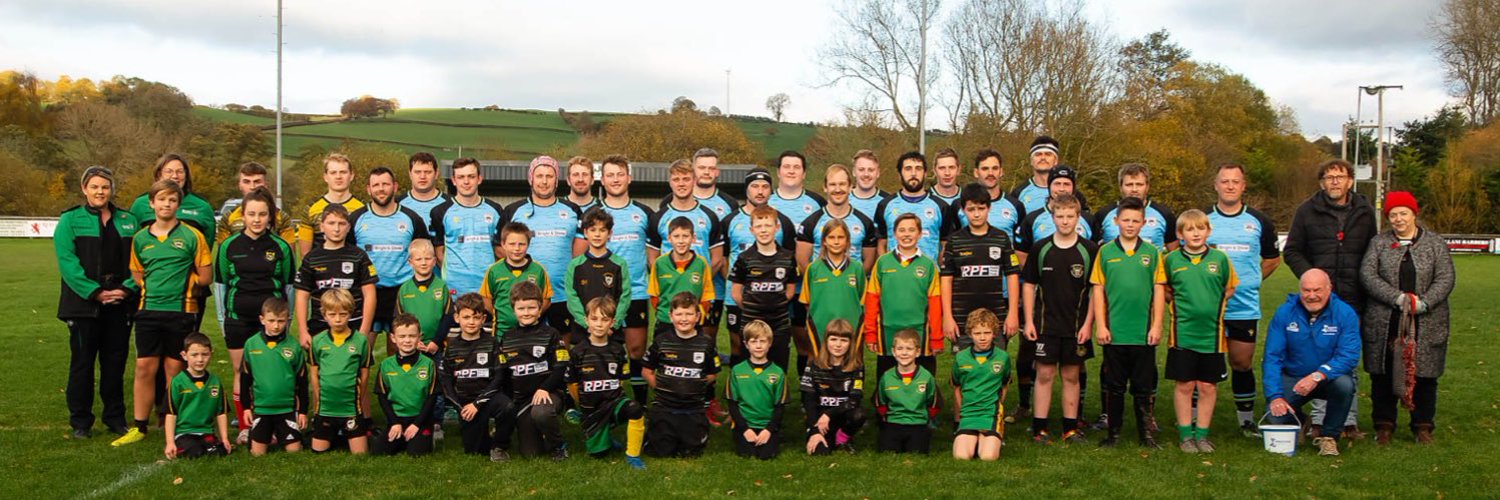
{"points": [[1408, 274]]}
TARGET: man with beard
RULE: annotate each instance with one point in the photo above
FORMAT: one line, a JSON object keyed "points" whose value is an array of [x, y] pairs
{"points": [[581, 183], [384, 230], [705, 181], [913, 199], [555, 241], [632, 230]]}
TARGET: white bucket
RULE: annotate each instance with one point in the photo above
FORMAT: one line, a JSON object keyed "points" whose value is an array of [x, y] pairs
{"points": [[1280, 439]]}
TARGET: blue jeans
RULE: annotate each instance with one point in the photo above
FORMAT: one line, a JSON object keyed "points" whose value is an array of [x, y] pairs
{"points": [[1339, 392]]}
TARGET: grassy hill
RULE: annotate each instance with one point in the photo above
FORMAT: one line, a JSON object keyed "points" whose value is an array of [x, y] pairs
{"points": [[519, 133]]}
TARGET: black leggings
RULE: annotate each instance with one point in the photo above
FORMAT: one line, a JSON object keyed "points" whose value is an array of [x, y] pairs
{"points": [[1385, 402]]}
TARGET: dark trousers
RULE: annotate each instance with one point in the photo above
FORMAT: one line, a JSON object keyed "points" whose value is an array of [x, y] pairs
{"points": [[748, 449], [900, 438], [1339, 392], [1126, 366], [850, 421], [104, 340], [1384, 400], [418, 445], [476, 433], [536, 426]]}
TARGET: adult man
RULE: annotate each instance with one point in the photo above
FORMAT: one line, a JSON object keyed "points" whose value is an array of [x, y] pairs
{"points": [[705, 182], [581, 183], [629, 238], [706, 232], [555, 239], [1249, 238], [739, 238], [862, 235], [251, 175], [425, 194], [791, 199], [945, 176], [1135, 182], [1330, 231], [1312, 348], [913, 199], [384, 230], [866, 196], [1038, 224], [338, 173], [977, 261], [1033, 194], [464, 228], [1005, 211]]}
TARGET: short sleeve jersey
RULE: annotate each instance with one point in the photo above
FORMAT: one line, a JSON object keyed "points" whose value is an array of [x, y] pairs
{"points": [[632, 225], [1198, 283], [168, 263], [1160, 227], [339, 363], [862, 233], [670, 277], [1247, 237], [345, 268], [981, 378], [276, 366], [1062, 279], [927, 208], [554, 227], [428, 301], [682, 367], [197, 402], [1129, 277], [908, 399], [385, 239], [979, 265], [468, 235], [798, 208], [766, 279], [738, 238], [832, 291], [423, 208]]}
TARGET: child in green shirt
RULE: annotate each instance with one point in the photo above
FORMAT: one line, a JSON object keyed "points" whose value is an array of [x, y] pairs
{"points": [[197, 422], [906, 399], [756, 393]]}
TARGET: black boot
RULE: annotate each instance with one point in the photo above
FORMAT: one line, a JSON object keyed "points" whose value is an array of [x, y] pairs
{"points": [[1144, 408], [1113, 416]]}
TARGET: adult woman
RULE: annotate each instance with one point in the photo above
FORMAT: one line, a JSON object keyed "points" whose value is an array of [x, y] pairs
{"points": [[97, 300], [194, 210], [1408, 273]]}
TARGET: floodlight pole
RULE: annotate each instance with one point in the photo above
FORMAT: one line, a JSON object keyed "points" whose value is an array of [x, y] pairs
{"points": [[278, 102], [1379, 92]]}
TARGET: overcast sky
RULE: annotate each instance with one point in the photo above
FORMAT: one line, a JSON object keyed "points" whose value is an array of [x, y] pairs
{"points": [[632, 56]]}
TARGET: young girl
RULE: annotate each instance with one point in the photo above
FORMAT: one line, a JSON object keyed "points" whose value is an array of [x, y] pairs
{"points": [[980, 374], [832, 389], [833, 285]]}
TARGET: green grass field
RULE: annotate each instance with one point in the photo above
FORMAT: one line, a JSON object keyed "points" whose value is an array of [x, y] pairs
{"points": [[40, 460]]}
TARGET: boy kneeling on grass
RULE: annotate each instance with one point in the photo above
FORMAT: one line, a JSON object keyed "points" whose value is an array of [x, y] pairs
{"points": [[273, 382], [681, 366], [471, 378], [906, 400], [197, 405], [534, 360], [980, 376], [597, 370], [340, 369], [1200, 280], [756, 393], [406, 385]]}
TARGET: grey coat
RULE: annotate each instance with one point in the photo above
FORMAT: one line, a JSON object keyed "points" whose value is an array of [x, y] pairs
{"points": [[1380, 274]]}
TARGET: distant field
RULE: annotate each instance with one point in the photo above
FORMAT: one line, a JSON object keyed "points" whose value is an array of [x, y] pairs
{"points": [[777, 137]]}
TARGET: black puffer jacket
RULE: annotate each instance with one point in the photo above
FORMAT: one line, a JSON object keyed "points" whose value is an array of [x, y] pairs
{"points": [[1333, 238]]}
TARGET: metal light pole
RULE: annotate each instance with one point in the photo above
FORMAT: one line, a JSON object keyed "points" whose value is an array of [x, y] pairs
{"points": [[922, 85], [278, 102], [726, 92], [1379, 92]]}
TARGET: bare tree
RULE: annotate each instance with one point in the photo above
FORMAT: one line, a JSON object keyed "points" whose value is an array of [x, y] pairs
{"points": [[880, 46], [1467, 34], [777, 104]]}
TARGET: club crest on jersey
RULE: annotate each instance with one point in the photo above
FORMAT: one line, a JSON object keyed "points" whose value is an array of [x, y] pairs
{"points": [[929, 213], [422, 374], [1145, 260], [401, 226], [780, 273], [922, 388], [697, 357], [179, 244], [695, 278], [1249, 228], [635, 217], [1077, 270], [286, 352], [437, 294], [1213, 268], [352, 350], [213, 392], [921, 272], [1007, 213], [270, 256], [609, 279], [348, 267], [771, 379], [995, 252], [614, 368], [489, 218], [538, 351], [482, 358], [563, 215], [853, 282], [995, 368]]}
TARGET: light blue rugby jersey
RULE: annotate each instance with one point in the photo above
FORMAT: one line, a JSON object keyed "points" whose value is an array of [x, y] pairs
{"points": [[629, 240], [929, 209], [950, 200], [719, 206], [1248, 237], [1006, 213], [1160, 224], [868, 206], [1038, 226], [1031, 196], [423, 209], [720, 203], [469, 235], [554, 227], [737, 238], [386, 240], [798, 208], [862, 232]]}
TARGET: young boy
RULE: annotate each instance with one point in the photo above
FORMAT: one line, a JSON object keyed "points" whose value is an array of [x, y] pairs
{"points": [[1200, 279], [980, 376], [599, 272], [1058, 317], [682, 367], [907, 399], [764, 282], [681, 270], [596, 369], [534, 359], [471, 376], [334, 265], [273, 383], [756, 393], [197, 405], [1129, 320], [406, 385], [904, 294], [171, 264], [516, 267], [340, 368], [425, 297]]}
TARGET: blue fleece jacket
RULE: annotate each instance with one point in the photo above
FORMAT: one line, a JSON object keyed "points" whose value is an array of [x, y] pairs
{"points": [[1297, 345]]}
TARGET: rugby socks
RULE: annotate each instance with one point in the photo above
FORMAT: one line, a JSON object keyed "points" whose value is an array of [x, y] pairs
{"points": [[1186, 432], [142, 425], [637, 381], [635, 435], [1038, 425], [239, 413], [1200, 433], [1243, 383], [1069, 424]]}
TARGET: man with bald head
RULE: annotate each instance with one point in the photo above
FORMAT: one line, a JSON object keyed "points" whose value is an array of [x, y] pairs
{"points": [[1312, 348]]}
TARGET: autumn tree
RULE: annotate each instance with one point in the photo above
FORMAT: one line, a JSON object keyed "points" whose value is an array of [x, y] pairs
{"points": [[367, 106], [1465, 33], [664, 137], [777, 104], [878, 48]]}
